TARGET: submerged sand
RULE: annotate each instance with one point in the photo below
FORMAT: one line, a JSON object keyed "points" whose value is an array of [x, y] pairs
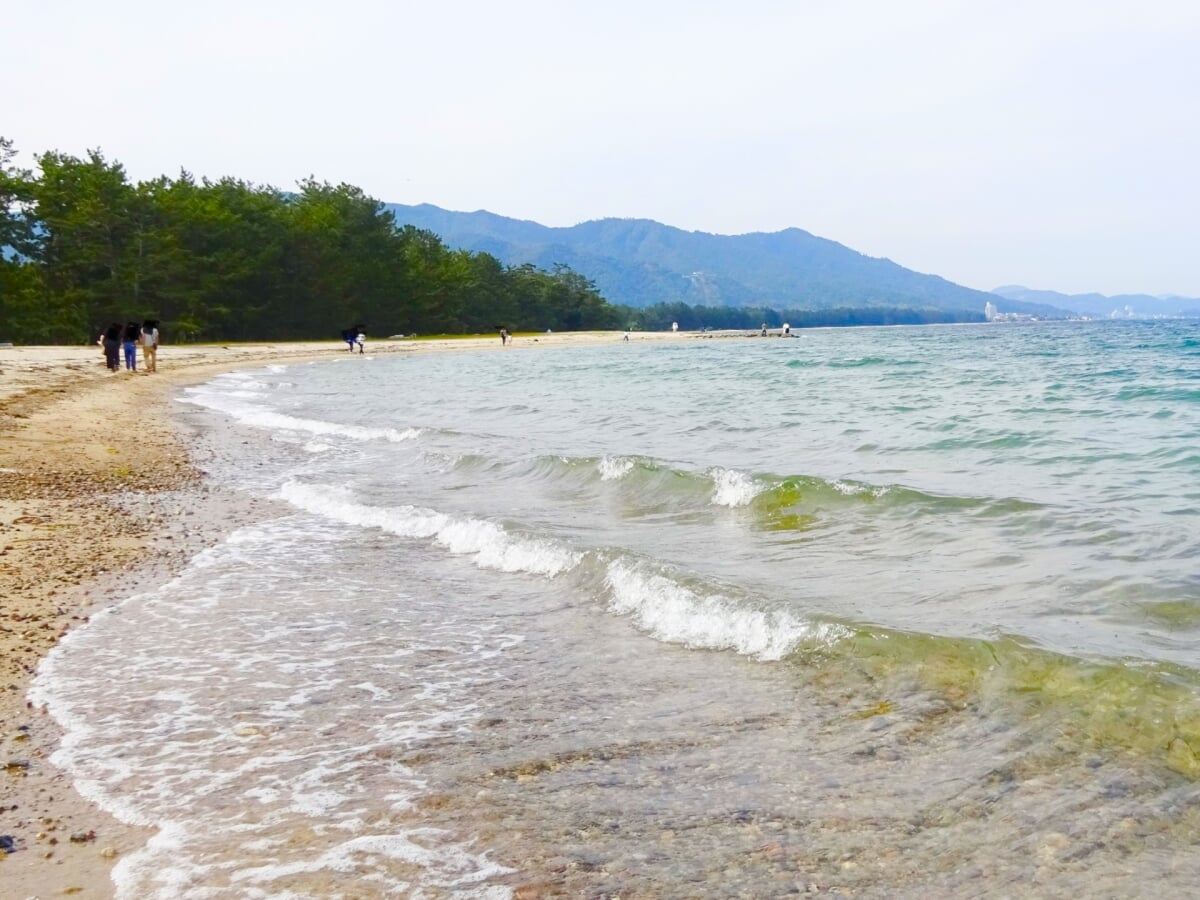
{"points": [[77, 444]]}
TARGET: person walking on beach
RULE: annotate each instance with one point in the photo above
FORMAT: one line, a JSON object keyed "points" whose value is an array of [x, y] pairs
{"points": [[112, 347], [360, 338], [133, 334], [150, 344], [503, 337]]}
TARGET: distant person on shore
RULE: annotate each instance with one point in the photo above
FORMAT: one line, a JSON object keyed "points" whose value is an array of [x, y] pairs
{"points": [[674, 327], [360, 338], [503, 336], [787, 330], [112, 346], [133, 336], [349, 335], [150, 345], [626, 338], [763, 333]]}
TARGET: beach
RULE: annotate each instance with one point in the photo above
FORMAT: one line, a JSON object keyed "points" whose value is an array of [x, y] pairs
{"points": [[894, 612], [100, 497]]}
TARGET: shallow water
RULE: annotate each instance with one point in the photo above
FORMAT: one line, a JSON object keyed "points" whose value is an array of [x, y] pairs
{"points": [[886, 611]]}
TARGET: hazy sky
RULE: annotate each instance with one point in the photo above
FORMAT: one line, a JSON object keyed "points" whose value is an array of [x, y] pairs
{"points": [[1050, 144]]}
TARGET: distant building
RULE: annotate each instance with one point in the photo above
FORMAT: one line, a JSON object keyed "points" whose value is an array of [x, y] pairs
{"points": [[990, 311]]}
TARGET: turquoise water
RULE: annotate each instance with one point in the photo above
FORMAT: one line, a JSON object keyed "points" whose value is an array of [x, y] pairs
{"points": [[887, 611]]}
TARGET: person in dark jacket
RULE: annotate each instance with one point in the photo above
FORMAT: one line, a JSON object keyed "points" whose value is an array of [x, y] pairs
{"points": [[112, 346]]}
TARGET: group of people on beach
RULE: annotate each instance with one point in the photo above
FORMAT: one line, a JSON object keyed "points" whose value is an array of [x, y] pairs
{"points": [[128, 337], [353, 337]]}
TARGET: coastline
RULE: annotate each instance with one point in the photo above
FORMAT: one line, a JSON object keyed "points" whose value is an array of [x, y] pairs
{"points": [[100, 498]]}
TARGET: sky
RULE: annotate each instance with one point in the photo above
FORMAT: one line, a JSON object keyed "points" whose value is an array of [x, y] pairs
{"points": [[1050, 144]]}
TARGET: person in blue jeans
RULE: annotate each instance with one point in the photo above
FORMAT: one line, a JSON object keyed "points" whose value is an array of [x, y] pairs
{"points": [[130, 344]]}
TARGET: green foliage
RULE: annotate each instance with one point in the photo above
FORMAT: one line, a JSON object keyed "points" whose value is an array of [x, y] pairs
{"points": [[229, 260]]}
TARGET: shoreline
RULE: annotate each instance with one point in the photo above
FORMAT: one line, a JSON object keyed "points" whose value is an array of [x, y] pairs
{"points": [[101, 498]]}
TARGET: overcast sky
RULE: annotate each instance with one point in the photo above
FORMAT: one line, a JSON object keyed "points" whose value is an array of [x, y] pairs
{"points": [[1050, 144]]}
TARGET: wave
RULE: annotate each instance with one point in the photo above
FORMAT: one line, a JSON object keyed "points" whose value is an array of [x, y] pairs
{"points": [[666, 603], [1172, 394], [1010, 441], [490, 544], [859, 362], [1144, 708], [732, 487], [1124, 373], [647, 487], [228, 402], [643, 484], [1123, 706], [803, 493]]}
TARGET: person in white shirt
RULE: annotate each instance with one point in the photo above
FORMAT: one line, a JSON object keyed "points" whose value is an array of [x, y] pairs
{"points": [[149, 342]]}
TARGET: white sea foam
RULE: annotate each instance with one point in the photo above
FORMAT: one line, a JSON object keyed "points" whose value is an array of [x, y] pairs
{"points": [[733, 488], [232, 403], [491, 546], [261, 418], [613, 468], [446, 866], [855, 490], [243, 707], [673, 612]]}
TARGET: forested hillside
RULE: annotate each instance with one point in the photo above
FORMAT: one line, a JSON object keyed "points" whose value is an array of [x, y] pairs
{"points": [[639, 262], [230, 260]]}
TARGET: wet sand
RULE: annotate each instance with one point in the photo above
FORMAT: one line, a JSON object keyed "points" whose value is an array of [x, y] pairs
{"points": [[101, 497]]}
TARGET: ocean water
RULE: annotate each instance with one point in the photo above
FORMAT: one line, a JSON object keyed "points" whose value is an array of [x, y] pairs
{"points": [[887, 612]]}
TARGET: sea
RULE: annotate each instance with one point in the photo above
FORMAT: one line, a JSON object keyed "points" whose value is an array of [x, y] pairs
{"points": [[872, 612]]}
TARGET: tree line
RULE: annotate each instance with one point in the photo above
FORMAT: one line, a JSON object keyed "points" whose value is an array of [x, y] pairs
{"points": [[230, 260], [81, 246]]}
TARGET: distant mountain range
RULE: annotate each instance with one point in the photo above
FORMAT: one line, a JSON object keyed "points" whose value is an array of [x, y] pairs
{"points": [[639, 262], [1119, 305]]}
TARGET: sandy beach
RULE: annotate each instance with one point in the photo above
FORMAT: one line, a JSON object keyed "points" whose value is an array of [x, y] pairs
{"points": [[100, 497]]}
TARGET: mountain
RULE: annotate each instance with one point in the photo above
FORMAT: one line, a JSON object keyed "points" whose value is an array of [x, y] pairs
{"points": [[640, 262], [1118, 305]]}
